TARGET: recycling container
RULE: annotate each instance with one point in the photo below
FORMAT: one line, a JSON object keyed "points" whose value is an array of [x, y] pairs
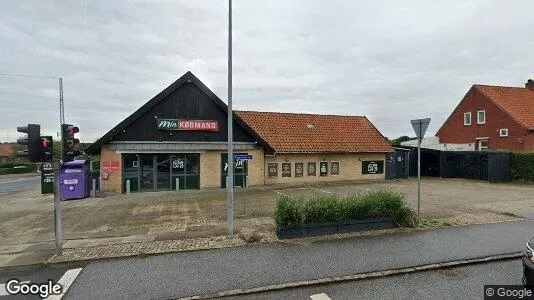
{"points": [[74, 180]]}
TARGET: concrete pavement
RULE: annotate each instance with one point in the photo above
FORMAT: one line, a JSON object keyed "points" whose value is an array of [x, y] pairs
{"points": [[204, 272]]}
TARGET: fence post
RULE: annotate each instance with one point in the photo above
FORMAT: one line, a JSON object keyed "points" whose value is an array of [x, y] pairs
{"points": [[128, 186], [177, 184]]}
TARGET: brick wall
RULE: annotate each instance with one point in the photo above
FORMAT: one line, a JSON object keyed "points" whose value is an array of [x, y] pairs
{"points": [[454, 130], [210, 168], [350, 167], [113, 185]]}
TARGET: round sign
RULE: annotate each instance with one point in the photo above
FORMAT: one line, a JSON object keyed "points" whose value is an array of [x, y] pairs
{"points": [[71, 188]]}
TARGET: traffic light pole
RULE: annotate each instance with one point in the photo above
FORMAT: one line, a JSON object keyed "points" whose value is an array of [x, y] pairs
{"points": [[57, 199]]}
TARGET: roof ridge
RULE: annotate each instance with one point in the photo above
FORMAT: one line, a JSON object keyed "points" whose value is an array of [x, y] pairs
{"points": [[299, 114], [502, 86]]}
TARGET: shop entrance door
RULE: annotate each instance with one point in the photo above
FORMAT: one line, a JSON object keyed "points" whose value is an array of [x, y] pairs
{"points": [[148, 174]]}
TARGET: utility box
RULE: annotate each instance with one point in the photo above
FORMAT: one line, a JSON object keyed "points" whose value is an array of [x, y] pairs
{"points": [[74, 180]]}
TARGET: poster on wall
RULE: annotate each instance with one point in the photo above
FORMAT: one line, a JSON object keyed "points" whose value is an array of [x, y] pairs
{"points": [[272, 169], [372, 167], [299, 169], [323, 168], [286, 169], [335, 168], [311, 169]]}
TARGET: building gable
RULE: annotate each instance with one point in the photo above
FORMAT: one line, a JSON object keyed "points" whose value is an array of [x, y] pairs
{"points": [[186, 99]]}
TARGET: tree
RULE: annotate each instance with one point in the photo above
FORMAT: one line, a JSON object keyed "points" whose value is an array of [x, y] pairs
{"points": [[399, 140]]}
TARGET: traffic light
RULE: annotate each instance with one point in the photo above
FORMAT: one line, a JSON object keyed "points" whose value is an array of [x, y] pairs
{"points": [[46, 145], [69, 142], [31, 141]]}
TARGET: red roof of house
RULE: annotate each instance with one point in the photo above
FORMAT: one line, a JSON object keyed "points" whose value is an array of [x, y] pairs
{"points": [[5, 150], [518, 102], [309, 133]]}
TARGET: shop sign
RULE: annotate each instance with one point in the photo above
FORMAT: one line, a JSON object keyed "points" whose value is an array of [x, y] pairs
{"points": [[178, 164], [110, 166], [299, 169], [182, 124], [311, 169], [323, 168], [286, 169], [47, 178], [372, 167]]}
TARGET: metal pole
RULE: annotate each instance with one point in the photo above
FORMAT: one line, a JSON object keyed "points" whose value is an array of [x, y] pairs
{"points": [[57, 214], [418, 181], [61, 117], [94, 187], [230, 182]]}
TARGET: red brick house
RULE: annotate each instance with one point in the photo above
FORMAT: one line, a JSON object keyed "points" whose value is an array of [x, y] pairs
{"points": [[493, 118]]}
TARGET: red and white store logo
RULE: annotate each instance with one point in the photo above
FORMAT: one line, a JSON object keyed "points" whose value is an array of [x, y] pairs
{"points": [[181, 124]]}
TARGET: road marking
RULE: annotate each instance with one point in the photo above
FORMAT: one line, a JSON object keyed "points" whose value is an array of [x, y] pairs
{"points": [[3, 291], [395, 185], [328, 192], [360, 188], [278, 192], [300, 188], [321, 296], [17, 180], [66, 280]]}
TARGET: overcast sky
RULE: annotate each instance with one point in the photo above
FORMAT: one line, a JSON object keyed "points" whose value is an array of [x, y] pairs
{"points": [[391, 61]]}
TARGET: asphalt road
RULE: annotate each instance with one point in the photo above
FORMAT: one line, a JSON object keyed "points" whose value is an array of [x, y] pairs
{"points": [[458, 283], [13, 184], [201, 272]]}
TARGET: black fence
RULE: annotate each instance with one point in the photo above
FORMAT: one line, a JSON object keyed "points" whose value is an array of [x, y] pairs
{"points": [[482, 165]]}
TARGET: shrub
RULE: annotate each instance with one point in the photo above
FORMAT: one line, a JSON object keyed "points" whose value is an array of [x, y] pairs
{"points": [[523, 166], [23, 168], [294, 212]]}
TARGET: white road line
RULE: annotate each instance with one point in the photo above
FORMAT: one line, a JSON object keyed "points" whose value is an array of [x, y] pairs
{"points": [[394, 185], [66, 280], [328, 192], [321, 296], [278, 192], [16, 180], [3, 291], [360, 188]]}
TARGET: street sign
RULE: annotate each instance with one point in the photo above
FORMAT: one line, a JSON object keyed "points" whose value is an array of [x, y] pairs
{"points": [[420, 126], [243, 157]]}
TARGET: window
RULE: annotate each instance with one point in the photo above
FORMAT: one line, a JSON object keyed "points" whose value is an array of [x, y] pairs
{"points": [[483, 145], [286, 169], [503, 132], [311, 168], [334, 170], [467, 118], [299, 169], [272, 169], [323, 168], [481, 117]]}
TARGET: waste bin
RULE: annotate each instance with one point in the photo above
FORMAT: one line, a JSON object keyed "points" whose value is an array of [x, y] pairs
{"points": [[74, 180]]}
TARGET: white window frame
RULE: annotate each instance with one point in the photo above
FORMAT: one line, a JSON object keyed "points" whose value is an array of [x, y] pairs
{"points": [[501, 134], [480, 145], [467, 114], [478, 117], [338, 168]]}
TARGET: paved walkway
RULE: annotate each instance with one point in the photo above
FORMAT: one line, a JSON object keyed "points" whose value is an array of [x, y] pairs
{"points": [[205, 272]]}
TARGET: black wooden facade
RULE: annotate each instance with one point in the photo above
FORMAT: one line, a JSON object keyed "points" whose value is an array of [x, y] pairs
{"points": [[187, 98]]}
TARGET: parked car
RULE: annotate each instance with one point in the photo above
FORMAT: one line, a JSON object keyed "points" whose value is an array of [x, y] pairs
{"points": [[528, 264]]}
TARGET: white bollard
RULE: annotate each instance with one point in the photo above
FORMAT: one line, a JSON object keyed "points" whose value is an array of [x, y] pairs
{"points": [[94, 187], [177, 184], [128, 186]]}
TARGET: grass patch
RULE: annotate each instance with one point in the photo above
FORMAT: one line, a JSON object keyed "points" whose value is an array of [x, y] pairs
{"points": [[295, 212]]}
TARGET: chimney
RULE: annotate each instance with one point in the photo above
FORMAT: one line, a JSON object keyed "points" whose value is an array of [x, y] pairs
{"points": [[530, 85]]}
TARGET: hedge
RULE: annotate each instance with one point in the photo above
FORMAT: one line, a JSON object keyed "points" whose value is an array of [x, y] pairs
{"points": [[523, 166], [295, 212]]}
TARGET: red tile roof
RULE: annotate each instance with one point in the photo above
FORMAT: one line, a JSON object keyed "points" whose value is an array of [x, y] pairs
{"points": [[308, 133], [5, 150], [516, 101]]}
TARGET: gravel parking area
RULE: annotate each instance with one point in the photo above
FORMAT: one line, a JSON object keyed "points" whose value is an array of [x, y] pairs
{"points": [[27, 217]]}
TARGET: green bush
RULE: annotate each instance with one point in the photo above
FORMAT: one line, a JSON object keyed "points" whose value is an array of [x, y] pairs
{"points": [[523, 166], [294, 212], [11, 170]]}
